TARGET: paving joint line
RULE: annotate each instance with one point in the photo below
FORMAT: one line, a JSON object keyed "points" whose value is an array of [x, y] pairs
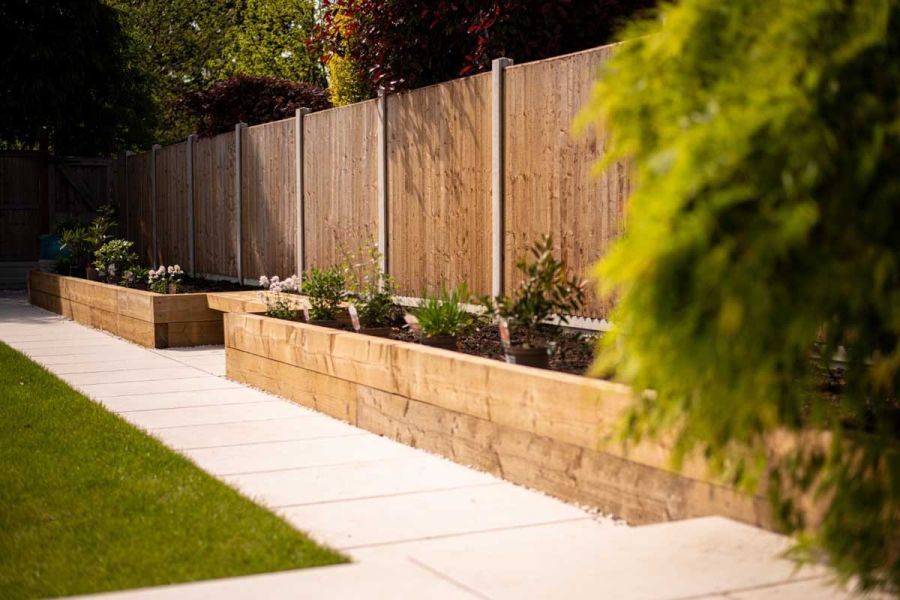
{"points": [[394, 495], [140, 410], [762, 586], [205, 424], [444, 536], [448, 579], [303, 439]]}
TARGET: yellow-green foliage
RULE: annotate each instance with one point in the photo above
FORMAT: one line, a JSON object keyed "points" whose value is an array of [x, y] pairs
{"points": [[762, 237], [345, 83]]}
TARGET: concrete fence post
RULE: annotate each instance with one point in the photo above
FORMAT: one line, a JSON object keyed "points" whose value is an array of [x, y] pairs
{"points": [[127, 209], [154, 246], [239, 234], [301, 207], [189, 152], [382, 168], [498, 66]]}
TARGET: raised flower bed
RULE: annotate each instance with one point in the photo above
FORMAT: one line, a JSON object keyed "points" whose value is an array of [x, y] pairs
{"points": [[543, 429], [146, 318]]}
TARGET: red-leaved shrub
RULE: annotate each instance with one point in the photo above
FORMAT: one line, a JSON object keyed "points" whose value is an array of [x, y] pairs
{"points": [[251, 100], [399, 44]]}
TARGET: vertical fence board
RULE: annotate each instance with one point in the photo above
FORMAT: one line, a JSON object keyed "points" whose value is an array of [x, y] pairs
{"points": [[269, 199], [340, 181], [439, 191], [172, 205], [19, 187], [214, 205], [548, 180], [140, 221]]}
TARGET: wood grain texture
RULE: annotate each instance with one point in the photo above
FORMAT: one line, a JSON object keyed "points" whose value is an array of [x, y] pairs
{"points": [[20, 174], [539, 428], [146, 318], [549, 187], [172, 236], [139, 218], [269, 199], [340, 181], [214, 205], [439, 191]]}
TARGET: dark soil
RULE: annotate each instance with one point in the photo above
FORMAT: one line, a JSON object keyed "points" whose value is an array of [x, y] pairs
{"points": [[191, 285], [571, 351]]}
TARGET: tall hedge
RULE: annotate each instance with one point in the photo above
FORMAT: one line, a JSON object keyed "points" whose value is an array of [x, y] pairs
{"points": [[759, 277]]}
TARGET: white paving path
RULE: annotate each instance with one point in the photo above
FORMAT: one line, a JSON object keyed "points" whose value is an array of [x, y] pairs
{"points": [[416, 525]]}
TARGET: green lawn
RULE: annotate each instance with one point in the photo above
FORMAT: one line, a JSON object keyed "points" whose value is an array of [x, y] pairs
{"points": [[89, 503]]}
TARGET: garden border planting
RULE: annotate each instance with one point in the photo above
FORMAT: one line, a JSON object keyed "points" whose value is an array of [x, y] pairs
{"points": [[146, 318], [531, 426]]}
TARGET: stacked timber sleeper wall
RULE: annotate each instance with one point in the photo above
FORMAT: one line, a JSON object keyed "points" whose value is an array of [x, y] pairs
{"points": [[538, 428], [148, 319]]}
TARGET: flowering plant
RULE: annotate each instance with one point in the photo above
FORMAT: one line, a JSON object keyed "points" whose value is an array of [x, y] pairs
{"points": [[114, 258], [278, 305], [165, 280], [369, 288], [134, 274]]}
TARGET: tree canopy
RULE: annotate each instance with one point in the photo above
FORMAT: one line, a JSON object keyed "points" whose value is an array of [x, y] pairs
{"points": [[67, 82], [759, 276]]}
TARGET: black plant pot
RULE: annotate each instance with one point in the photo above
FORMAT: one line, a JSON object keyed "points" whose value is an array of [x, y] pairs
{"points": [[92, 274], [384, 332], [447, 342], [326, 323], [529, 357]]}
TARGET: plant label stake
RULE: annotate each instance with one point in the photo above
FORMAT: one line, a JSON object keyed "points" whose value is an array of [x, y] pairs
{"points": [[413, 324], [306, 314], [504, 334], [354, 317]]}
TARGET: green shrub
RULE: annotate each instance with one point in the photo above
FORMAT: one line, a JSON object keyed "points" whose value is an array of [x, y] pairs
{"points": [[369, 288], [443, 313], [548, 289], [114, 258], [325, 291], [762, 238]]}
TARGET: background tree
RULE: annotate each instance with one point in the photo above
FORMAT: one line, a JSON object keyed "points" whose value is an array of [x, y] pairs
{"points": [[67, 83], [248, 99], [184, 47], [399, 44], [761, 240], [271, 41]]}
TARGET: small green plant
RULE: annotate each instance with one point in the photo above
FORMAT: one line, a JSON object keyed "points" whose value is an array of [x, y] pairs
{"points": [[369, 288], [325, 290], [549, 289], [278, 304], [165, 280], [77, 242], [134, 275], [443, 314], [114, 258]]}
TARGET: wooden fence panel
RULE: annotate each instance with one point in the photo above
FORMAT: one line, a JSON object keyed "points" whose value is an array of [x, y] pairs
{"points": [[340, 182], [140, 205], [172, 235], [215, 234], [549, 187], [439, 195], [269, 199], [20, 174], [79, 186]]}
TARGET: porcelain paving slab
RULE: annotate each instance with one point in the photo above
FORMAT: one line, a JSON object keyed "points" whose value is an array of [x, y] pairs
{"points": [[188, 384], [588, 560], [340, 582], [253, 410], [403, 517], [173, 371], [278, 456], [332, 483], [254, 432], [108, 366], [197, 398]]}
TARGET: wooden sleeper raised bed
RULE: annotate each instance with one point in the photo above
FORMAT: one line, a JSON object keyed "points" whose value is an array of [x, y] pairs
{"points": [[543, 429], [146, 318]]}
